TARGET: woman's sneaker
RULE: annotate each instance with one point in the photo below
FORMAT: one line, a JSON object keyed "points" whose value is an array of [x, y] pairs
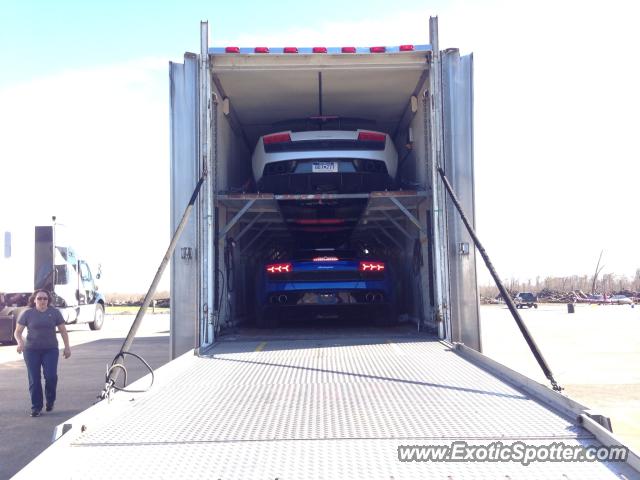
{"points": [[35, 412], [49, 407]]}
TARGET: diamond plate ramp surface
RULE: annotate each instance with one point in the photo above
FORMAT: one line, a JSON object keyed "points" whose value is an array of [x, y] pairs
{"points": [[327, 408]]}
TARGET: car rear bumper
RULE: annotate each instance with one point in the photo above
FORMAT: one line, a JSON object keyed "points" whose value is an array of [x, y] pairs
{"points": [[343, 182], [318, 311]]}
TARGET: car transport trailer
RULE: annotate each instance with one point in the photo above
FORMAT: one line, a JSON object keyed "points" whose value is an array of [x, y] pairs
{"points": [[415, 399]]}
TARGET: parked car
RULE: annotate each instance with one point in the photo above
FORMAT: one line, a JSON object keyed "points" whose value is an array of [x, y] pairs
{"points": [[323, 284], [599, 299], [324, 161], [526, 299], [621, 300]]}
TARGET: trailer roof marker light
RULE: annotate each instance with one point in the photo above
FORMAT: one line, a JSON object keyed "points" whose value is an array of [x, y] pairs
{"points": [[319, 50], [276, 138], [378, 49], [348, 50], [232, 50], [261, 50], [407, 48], [290, 50]]}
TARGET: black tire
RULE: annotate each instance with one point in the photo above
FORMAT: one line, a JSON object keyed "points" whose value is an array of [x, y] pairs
{"points": [[12, 341], [98, 318], [387, 318], [265, 319], [535, 306]]}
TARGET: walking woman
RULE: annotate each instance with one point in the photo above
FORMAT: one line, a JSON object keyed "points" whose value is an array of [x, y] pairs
{"points": [[41, 348]]}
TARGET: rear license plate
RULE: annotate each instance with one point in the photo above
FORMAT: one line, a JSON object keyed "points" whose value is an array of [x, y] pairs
{"points": [[324, 167]]}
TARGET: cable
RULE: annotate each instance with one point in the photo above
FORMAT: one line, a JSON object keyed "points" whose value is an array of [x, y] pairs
{"points": [[223, 291], [418, 261], [121, 366], [229, 262]]}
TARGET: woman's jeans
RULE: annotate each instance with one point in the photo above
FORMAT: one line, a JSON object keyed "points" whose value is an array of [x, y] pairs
{"points": [[45, 359]]}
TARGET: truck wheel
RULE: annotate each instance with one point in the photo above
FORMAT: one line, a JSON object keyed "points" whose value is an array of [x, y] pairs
{"points": [[12, 340], [98, 318]]}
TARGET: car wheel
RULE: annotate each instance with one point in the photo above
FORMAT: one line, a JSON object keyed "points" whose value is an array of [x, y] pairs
{"points": [[98, 318], [265, 320], [388, 317]]}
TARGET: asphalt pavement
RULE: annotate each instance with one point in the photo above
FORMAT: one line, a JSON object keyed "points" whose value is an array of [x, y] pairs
{"points": [[80, 380]]}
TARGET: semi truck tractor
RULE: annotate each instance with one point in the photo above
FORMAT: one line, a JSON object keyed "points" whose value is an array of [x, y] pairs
{"points": [[34, 257]]}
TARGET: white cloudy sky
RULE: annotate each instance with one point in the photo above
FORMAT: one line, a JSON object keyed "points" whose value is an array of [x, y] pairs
{"points": [[84, 125]]}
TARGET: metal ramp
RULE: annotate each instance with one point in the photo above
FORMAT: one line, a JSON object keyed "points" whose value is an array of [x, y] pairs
{"points": [[325, 406]]}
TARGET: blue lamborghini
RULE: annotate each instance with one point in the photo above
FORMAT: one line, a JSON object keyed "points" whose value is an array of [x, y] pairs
{"points": [[323, 284]]}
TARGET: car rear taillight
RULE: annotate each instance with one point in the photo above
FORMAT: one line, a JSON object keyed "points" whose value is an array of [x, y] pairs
{"points": [[261, 50], [378, 49], [319, 50], [406, 48], [232, 50], [290, 50], [367, 267], [278, 268], [371, 137], [348, 50], [276, 138]]}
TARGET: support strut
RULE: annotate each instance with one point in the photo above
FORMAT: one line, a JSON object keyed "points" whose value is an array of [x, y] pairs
{"points": [[113, 373], [503, 291]]}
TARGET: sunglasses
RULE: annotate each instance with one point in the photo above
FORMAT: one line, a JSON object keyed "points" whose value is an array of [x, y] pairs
{"points": [[42, 298]]}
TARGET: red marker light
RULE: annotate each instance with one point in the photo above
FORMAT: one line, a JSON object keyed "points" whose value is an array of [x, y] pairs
{"points": [[261, 50], [290, 50], [371, 266], [232, 50], [276, 138], [319, 221], [371, 137], [406, 48], [319, 50], [348, 49], [276, 268], [378, 49]]}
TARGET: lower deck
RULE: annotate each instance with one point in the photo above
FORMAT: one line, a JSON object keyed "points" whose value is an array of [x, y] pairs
{"points": [[317, 404]]}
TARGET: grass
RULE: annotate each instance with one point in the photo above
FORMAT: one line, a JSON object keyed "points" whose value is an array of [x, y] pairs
{"points": [[132, 310]]}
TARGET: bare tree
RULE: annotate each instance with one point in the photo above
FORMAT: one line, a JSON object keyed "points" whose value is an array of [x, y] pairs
{"points": [[598, 270]]}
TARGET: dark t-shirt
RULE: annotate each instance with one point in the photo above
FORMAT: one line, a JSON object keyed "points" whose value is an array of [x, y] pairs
{"points": [[42, 327]]}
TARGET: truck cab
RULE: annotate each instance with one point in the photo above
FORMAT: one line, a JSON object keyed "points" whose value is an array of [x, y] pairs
{"points": [[34, 258]]}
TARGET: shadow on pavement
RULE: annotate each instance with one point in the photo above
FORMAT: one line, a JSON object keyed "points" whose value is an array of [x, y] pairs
{"points": [[80, 380]]}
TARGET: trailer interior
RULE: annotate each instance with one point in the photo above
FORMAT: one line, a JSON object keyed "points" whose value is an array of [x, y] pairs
{"points": [[250, 95]]}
